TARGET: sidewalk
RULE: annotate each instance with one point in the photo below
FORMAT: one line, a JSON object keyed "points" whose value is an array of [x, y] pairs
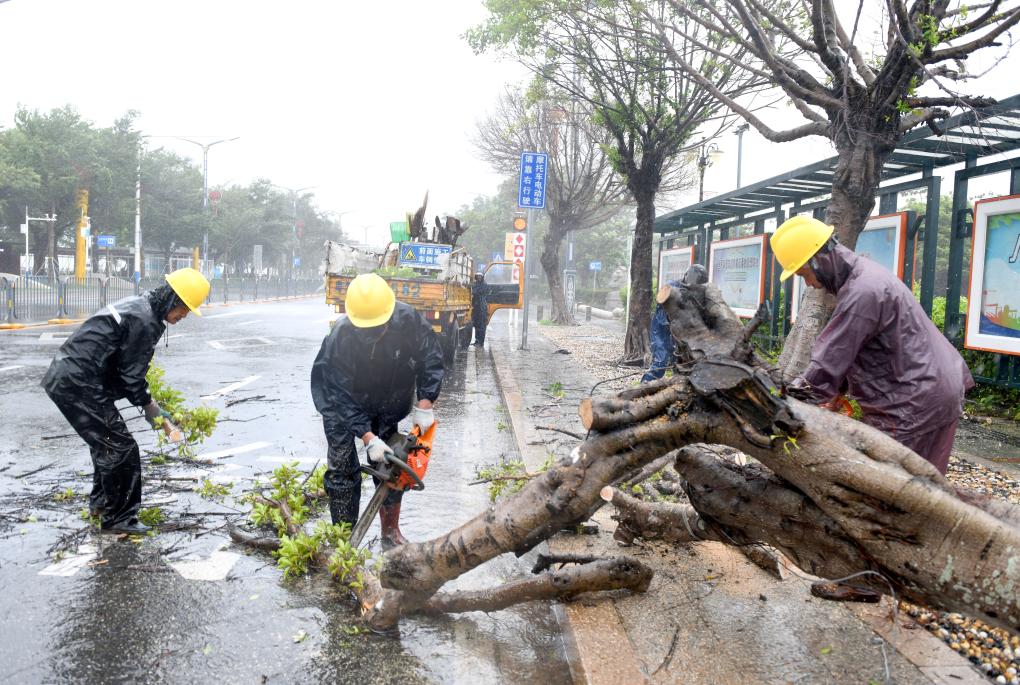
{"points": [[710, 615]]}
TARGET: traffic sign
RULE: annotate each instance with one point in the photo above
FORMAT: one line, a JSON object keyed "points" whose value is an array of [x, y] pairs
{"points": [[520, 223], [595, 266], [106, 241], [515, 246], [423, 255], [531, 189]]}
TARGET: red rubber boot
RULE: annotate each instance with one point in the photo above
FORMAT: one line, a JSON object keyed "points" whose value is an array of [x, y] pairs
{"points": [[389, 521]]}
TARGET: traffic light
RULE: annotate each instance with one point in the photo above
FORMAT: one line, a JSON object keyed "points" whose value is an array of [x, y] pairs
{"points": [[520, 223]]}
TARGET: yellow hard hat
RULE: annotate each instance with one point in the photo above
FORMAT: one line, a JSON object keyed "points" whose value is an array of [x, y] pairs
{"points": [[370, 301], [191, 286], [797, 241]]}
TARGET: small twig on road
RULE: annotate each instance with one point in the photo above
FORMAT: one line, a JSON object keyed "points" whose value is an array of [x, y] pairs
{"points": [[41, 468], [545, 561], [252, 398], [576, 436], [254, 418], [669, 654]]}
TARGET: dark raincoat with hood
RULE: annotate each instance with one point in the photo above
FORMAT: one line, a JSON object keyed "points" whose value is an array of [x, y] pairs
{"points": [[103, 361], [360, 386], [880, 348]]}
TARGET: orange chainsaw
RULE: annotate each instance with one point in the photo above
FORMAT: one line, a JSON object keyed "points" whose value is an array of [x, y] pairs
{"points": [[402, 470]]}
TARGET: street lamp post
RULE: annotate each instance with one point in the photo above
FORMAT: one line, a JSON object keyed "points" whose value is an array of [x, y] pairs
{"points": [[740, 147], [51, 218], [293, 236], [205, 180], [705, 158]]}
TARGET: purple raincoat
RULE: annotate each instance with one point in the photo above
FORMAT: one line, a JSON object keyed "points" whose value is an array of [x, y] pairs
{"points": [[880, 348]]}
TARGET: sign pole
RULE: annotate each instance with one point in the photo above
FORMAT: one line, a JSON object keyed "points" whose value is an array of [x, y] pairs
{"points": [[525, 279]]}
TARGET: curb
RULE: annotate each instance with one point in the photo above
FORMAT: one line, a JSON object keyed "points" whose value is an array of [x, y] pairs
{"points": [[598, 649]]}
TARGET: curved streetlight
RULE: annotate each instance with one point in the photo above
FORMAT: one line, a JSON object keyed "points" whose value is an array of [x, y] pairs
{"points": [[205, 179]]}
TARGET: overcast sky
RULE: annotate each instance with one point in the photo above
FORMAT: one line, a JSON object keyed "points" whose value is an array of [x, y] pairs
{"points": [[371, 103]]}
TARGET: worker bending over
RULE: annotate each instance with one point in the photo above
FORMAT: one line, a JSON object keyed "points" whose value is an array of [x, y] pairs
{"points": [[878, 347], [365, 379], [105, 360]]}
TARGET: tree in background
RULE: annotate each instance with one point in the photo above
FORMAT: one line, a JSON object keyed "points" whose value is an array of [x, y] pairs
{"points": [[861, 98], [46, 158], [582, 189], [599, 53], [488, 220], [171, 215]]}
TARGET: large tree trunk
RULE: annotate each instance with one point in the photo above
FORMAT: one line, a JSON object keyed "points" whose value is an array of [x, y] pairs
{"points": [[550, 260], [636, 344], [854, 184]]}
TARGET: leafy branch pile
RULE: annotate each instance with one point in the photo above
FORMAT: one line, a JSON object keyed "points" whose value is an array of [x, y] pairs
{"points": [[508, 476], [288, 501], [196, 423]]}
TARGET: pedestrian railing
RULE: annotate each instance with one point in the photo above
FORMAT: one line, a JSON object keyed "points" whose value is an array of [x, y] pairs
{"points": [[40, 298]]}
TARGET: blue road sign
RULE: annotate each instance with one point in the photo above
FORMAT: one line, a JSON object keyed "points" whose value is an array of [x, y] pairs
{"points": [[106, 241], [497, 257], [531, 191], [595, 266], [423, 255]]}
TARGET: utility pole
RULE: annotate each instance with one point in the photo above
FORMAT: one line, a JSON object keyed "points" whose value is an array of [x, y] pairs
{"points": [[205, 181], [51, 218], [740, 147]]}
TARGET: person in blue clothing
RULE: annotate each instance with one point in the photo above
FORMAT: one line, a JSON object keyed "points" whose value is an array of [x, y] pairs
{"points": [[661, 338]]}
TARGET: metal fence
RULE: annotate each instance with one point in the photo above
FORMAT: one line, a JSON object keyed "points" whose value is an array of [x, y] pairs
{"points": [[31, 299]]}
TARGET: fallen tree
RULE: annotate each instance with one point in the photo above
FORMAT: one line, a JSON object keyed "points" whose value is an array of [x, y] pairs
{"points": [[834, 495]]}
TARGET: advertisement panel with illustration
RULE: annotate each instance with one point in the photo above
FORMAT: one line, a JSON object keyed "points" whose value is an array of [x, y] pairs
{"points": [[673, 263], [736, 267], [993, 308]]}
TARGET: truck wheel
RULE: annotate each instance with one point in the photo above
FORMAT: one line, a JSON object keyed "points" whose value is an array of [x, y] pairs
{"points": [[465, 335]]}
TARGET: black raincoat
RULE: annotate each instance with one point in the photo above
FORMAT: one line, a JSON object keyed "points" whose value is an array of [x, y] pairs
{"points": [[103, 361], [880, 348], [360, 387], [479, 310]]}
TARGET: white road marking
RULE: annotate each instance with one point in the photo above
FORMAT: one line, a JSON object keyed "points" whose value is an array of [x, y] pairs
{"points": [[238, 343], [216, 567], [177, 335], [52, 338], [249, 323], [222, 316], [68, 566], [11, 368], [287, 460], [233, 451], [230, 388]]}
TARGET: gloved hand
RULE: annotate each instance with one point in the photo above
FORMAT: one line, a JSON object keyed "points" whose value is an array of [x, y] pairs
{"points": [[156, 414], [377, 450], [423, 418]]}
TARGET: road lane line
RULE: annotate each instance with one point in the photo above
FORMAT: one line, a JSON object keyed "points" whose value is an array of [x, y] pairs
{"points": [[249, 323], [222, 316], [230, 388], [216, 567], [233, 451], [177, 335], [67, 567], [11, 368], [52, 338]]}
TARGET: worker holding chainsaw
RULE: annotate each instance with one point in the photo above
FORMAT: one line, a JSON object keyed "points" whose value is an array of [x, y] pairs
{"points": [[378, 364], [105, 360], [879, 345]]}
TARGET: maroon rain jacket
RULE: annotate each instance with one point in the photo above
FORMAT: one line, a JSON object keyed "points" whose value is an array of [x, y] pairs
{"points": [[880, 348]]}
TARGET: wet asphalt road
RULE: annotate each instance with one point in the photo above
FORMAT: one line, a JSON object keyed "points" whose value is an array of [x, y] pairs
{"points": [[188, 606]]}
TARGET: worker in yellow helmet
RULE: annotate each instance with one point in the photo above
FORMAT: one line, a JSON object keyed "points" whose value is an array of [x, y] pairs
{"points": [[105, 360], [380, 363], [878, 347]]}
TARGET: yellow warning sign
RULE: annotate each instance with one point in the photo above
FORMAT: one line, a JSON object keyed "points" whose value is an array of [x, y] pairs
{"points": [[410, 255]]}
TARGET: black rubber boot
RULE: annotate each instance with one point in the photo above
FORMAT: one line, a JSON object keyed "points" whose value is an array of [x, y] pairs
{"points": [[131, 527], [343, 506]]}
